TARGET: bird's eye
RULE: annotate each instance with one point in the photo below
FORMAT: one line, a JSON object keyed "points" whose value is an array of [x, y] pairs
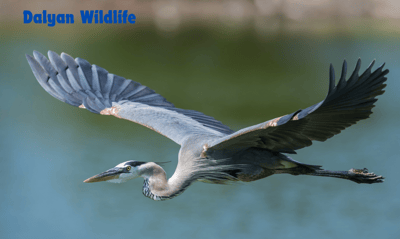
{"points": [[128, 168]]}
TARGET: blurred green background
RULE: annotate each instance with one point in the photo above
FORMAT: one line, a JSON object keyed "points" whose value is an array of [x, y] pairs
{"points": [[233, 71]]}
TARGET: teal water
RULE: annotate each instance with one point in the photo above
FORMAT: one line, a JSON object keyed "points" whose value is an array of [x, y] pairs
{"points": [[48, 147]]}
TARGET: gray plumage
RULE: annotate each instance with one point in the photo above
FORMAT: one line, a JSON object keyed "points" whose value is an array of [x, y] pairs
{"points": [[210, 151]]}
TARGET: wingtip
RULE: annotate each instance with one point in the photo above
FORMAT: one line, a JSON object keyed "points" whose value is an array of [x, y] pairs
{"points": [[386, 71], [52, 54], [36, 53], [371, 64], [28, 57], [344, 72], [332, 72], [32, 62], [64, 54]]}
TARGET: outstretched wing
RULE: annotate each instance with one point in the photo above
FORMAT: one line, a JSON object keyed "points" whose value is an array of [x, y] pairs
{"points": [[79, 83], [346, 103]]}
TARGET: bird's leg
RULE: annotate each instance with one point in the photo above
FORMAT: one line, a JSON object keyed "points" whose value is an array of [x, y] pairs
{"points": [[355, 175]]}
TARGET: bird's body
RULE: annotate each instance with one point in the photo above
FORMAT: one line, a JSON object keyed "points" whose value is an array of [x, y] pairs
{"points": [[210, 151]]}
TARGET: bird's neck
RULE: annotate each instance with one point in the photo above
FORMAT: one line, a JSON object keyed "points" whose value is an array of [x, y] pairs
{"points": [[156, 186]]}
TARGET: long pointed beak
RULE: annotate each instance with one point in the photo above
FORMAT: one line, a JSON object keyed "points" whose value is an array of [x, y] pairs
{"points": [[105, 176]]}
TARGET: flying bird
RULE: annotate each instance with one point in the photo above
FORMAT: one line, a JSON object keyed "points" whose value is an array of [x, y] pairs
{"points": [[210, 151]]}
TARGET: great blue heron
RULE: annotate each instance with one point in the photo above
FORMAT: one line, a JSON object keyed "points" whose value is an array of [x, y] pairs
{"points": [[210, 151]]}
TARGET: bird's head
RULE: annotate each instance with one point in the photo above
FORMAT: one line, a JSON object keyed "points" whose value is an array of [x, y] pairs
{"points": [[119, 174]]}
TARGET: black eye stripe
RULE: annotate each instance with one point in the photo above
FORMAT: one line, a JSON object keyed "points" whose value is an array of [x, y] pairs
{"points": [[134, 163]]}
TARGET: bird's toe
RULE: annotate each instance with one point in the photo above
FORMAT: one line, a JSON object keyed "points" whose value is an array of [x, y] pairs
{"points": [[363, 176]]}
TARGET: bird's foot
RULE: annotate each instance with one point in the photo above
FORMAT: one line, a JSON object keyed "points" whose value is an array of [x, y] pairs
{"points": [[363, 176]]}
